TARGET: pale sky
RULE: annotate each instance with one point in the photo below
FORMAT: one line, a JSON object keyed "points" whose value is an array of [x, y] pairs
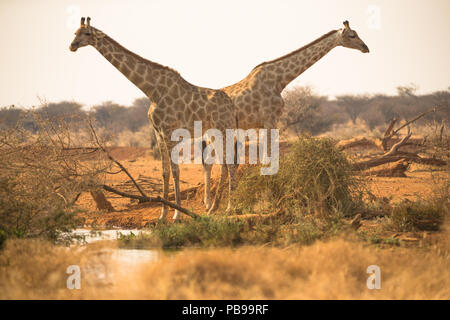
{"points": [[217, 43]]}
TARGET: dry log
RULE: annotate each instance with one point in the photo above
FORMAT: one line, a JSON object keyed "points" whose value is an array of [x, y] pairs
{"points": [[152, 199], [101, 202], [358, 142], [410, 157], [398, 169], [388, 134], [394, 155]]}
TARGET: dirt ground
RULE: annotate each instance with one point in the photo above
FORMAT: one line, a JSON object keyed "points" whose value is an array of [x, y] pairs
{"points": [[419, 183]]}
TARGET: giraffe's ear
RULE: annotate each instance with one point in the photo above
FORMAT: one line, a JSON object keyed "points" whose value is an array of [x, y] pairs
{"points": [[346, 24], [82, 22], [88, 22]]}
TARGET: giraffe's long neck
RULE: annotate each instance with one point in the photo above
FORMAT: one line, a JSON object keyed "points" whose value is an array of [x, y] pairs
{"points": [[151, 78], [286, 68]]}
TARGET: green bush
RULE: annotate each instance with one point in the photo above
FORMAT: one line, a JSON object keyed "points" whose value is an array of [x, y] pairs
{"points": [[205, 231], [314, 178], [42, 175], [417, 216], [31, 211], [210, 231]]}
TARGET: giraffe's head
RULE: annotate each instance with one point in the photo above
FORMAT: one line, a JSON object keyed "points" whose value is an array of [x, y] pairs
{"points": [[84, 36], [350, 39]]}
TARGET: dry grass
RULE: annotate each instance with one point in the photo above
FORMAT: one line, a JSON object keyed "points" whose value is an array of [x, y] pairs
{"points": [[325, 270], [348, 130]]}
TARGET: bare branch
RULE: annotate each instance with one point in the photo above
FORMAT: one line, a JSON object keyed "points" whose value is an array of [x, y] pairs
{"points": [[114, 160], [414, 120], [395, 147], [153, 199]]}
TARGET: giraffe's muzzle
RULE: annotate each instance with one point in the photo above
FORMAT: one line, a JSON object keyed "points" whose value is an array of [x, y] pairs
{"points": [[365, 49], [74, 46]]}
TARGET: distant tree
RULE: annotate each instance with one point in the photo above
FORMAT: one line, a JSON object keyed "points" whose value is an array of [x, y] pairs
{"points": [[407, 91], [64, 110], [137, 114], [303, 111], [110, 115], [9, 116], [353, 105], [373, 117], [441, 99]]}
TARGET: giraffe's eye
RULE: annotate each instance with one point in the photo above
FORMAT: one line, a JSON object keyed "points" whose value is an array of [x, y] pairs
{"points": [[352, 36], [87, 33]]}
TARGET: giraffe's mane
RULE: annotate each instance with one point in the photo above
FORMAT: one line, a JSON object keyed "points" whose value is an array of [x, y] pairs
{"points": [[138, 57], [298, 50]]}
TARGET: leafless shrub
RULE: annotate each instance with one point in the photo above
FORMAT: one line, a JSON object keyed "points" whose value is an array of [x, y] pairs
{"points": [[42, 173]]}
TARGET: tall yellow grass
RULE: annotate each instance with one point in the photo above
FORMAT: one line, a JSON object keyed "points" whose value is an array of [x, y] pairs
{"points": [[326, 270]]}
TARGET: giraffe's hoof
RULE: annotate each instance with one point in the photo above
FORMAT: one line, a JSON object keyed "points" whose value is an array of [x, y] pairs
{"points": [[176, 216], [211, 210], [162, 220], [207, 204]]}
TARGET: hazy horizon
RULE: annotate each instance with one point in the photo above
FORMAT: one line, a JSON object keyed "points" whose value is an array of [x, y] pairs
{"points": [[216, 43]]}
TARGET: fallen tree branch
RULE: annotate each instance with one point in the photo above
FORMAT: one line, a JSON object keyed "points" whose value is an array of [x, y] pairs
{"points": [[367, 164], [152, 199], [398, 169], [394, 155], [388, 134], [143, 197], [395, 147], [414, 120], [358, 142], [101, 201], [115, 161]]}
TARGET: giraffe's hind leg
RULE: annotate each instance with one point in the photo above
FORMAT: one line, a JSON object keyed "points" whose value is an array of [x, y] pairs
{"points": [[231, 169], [223, 175], [231, 178], [207, 174]]}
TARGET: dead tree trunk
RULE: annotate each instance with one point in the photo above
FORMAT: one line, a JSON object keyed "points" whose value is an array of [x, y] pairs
{"points": [[101, 202], [401, 158], [397, 169]]}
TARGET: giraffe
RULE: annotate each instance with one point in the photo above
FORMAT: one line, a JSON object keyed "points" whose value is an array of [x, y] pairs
{"points": [[174, 103], [257, 97]]}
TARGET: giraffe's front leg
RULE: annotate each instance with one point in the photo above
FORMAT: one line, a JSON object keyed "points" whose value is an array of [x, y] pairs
{"points": [[166, 175], [231, 176], [265, 143]]}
